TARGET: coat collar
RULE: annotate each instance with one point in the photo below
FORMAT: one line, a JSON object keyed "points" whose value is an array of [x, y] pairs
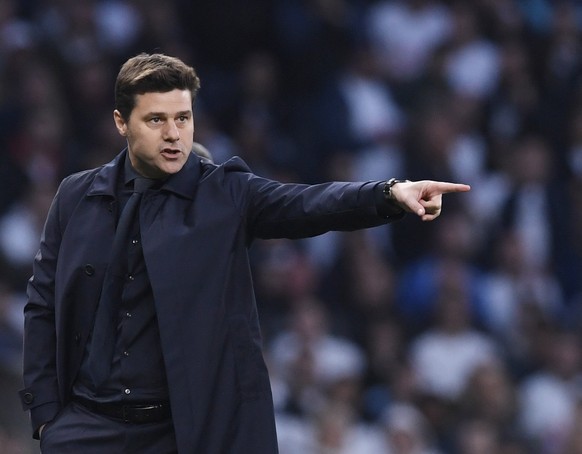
{"points": [[182, 183], [105, 180]]}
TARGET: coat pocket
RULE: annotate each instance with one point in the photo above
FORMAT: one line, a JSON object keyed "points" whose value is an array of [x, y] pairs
{"points": [[251, 371]]}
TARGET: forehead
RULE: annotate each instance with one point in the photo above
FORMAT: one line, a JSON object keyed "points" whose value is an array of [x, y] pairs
{"points": [[164, 102]]}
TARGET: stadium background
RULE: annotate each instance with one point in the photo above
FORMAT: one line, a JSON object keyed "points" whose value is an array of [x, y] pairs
{"points": [[461, 336]]}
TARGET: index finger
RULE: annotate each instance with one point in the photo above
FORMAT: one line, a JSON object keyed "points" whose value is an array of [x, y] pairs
{"points": [[443, 187]]}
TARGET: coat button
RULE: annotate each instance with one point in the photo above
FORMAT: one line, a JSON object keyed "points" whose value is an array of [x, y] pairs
{"points": [[28, 398], [89, 270], [77, 338]]}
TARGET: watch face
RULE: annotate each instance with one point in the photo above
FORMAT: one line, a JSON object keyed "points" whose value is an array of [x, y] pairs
{"points": [[387, 190]]}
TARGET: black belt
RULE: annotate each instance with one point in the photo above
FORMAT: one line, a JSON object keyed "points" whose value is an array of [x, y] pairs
{"points": [[133, 413]]}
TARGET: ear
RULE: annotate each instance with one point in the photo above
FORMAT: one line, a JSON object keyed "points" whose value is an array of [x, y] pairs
{"points": [[120, 123]]}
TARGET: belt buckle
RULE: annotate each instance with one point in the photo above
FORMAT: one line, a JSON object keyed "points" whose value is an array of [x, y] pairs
{"points": [[138, 413]]}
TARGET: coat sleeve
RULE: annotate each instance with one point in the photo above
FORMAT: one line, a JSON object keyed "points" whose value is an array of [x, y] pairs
{"points": [[40, 394], [286, 210]]}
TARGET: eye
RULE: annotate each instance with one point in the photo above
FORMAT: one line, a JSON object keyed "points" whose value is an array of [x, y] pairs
{"points": [[155, 120], [183, 118]]}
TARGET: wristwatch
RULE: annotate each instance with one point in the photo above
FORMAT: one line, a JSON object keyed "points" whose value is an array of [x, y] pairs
{"points": [[387, 189]]}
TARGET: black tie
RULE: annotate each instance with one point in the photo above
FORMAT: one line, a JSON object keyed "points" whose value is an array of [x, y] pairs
{"points": [[105, 328]]}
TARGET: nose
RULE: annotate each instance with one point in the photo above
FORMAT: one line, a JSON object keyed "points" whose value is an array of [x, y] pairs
{"points": [[171, 132]]}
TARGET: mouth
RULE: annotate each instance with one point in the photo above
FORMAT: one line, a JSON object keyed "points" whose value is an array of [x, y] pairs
{"points": [[171, 153]]}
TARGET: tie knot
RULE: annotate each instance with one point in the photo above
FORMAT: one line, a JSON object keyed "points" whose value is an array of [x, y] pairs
{"points": [[140, 184]]}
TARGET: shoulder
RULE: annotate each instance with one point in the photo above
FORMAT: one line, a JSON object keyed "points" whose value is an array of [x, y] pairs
{"points": [[234, 174], [80, 179], [96, 181], [74, 186], [234, 164]]}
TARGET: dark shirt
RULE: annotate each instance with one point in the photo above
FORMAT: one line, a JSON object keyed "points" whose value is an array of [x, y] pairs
{"points": [[137, 372]]}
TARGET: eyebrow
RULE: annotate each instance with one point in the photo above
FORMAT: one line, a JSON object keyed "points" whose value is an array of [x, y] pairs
{"points": [[163, 114]]}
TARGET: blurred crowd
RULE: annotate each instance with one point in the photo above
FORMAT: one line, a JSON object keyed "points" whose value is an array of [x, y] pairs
{"points": [[460, 336]]}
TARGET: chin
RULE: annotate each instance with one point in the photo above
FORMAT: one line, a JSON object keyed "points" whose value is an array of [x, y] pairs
{"points": [[172, 168]]}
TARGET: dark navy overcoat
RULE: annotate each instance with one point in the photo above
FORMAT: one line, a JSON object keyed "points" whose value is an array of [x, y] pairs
{"points": [[195, 232]]}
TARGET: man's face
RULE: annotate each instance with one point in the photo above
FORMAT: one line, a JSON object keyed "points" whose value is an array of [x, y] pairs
{"points": [[159, 132]]}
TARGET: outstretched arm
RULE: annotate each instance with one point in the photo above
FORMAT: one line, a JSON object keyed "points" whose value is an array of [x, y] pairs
{"points": [[424, 198]]}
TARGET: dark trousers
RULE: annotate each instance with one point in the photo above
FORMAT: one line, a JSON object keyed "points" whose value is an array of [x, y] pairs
{"points": [[78, 431]]}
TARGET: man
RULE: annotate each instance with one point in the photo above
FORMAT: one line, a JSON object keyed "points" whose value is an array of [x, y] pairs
{"points": [[185, 334]]}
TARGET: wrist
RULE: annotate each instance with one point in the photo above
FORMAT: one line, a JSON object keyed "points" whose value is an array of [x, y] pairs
{"points": [[387, 189], [386, 207]]}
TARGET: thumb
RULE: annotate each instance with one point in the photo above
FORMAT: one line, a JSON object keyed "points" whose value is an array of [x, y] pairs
{"points": [[420, 211], [413, 206]]}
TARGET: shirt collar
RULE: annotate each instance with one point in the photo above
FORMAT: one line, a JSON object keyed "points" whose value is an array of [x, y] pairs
{"points": [[130, 174], [183, 183]]}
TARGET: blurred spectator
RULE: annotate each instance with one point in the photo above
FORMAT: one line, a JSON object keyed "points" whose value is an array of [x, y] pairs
{"points": [[538, 14], [364, 281], [20, 230], [472, 65], [573, 444], [549, 398], [446, 261], [38, 141], [320, 380], [446, 355], [255, 120], [359, 119], [389, 378], [89, 90], [512, 287], [477, 437], [257, 92], [533, 203], [285, 277], [313, 36], [82, 30], [407, 431], [560, 64], [314, 361], [515, 106], [335, 430], [338, 432], [490, 396], [434, 138], [405, 33]]}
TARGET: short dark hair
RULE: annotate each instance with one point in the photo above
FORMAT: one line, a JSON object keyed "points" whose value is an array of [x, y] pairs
{"points": [[146, 73]]}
